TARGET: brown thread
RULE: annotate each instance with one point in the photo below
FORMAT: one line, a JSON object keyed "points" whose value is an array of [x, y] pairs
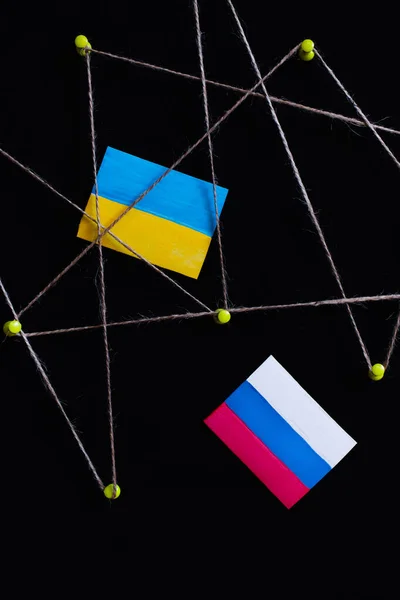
{"points": [[316, 303], [140, 321], [392, 341], [233, 88], [396, 162], [55, 280], [299, 180], [210, 152], [50, 388], [102, 287], [359, 111], [183, 316]]}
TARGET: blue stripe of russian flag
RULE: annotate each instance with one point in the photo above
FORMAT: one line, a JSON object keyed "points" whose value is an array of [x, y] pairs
{"points": [[283, 441]]}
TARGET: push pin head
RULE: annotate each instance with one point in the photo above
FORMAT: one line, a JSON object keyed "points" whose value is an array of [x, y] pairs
{"points": [[82, 45], [222, 316], [376, 372], [12, 328], [109, 491], [306, 50]]}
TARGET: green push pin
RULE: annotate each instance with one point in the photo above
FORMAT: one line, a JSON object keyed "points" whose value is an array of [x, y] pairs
{"points": [[376, 372], [12, 328], [109, 492], [222, 316], [306, 50], [82, 45]]}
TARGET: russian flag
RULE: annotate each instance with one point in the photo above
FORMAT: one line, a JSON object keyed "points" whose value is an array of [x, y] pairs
{"points": [[280, 433]]}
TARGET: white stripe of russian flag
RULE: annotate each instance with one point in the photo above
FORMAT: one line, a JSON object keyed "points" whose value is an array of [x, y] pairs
{"points": [[301, 411]]}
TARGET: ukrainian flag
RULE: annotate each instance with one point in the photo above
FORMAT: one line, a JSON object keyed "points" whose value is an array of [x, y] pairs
{"points": [[171, 227]]}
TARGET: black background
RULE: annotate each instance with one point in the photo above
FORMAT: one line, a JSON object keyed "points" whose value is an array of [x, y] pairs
{"points": [[168, 377]]}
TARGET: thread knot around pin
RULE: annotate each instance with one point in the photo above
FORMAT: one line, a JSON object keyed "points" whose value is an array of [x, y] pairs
{"points": [[82, 44]]}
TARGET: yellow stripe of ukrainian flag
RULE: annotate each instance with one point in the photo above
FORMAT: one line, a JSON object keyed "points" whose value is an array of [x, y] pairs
{"points": [[162, 242]]}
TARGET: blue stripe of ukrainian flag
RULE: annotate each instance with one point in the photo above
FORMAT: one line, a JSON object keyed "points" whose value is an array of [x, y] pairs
{"points": [[180, 198], [277, 434], [171, 227]]}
